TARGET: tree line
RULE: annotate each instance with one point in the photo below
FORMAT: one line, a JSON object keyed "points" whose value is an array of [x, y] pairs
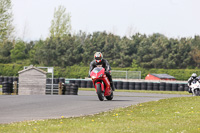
{"points": [[139, 50]]}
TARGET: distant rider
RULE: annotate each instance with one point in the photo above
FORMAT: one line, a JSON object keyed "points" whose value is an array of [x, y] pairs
{"points": [[191, 79], [99, 61]]}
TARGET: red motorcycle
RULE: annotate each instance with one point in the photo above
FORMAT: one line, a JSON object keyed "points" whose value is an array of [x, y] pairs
{"points": [[101, 83]]}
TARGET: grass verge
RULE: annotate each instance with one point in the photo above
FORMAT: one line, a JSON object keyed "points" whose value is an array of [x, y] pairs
{"points": [[166, 115], [144, 91]]}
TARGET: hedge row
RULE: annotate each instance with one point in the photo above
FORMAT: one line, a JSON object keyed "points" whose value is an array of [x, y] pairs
{"points": [[82, 71]]}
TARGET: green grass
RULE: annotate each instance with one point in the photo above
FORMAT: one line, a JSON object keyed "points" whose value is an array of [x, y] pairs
{"points": [[144, 91], [164, 116]]}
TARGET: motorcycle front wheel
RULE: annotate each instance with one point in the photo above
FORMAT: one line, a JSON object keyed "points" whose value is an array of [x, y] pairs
{"points": [[100, 93], [196, 92]]}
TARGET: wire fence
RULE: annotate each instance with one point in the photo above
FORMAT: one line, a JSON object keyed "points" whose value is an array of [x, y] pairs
{"points": [[126, 74]]}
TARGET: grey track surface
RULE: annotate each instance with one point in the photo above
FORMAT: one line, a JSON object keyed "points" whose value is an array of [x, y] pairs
{"points": [[16, 108]]}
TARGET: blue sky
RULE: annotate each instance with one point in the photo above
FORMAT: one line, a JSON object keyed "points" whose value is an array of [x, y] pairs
{"points": [[173, 18]]}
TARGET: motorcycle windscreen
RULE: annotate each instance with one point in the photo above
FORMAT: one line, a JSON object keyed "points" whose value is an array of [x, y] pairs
{"points": [[97, 69]]}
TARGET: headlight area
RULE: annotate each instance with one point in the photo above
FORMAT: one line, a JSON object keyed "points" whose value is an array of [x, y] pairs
{"points": [[93, 77], [100, 76]]}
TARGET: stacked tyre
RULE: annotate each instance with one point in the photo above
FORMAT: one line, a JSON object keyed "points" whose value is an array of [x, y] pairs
{"points": [[83, 83], [175, 87], [48, 81], [78, 82], [62, 80], [119, 85], [55, 81], [89, 84], [131, 85], [125, 86], [144, 86], [168, 87], [7, 87], [10, 79], [186, 88], [181, 87], [66, 90], [156, 86], [115, 84], [5, 79], [72, 81], [162, 86], [149, 86], [15, 79], [70, 89], [137, 86]]}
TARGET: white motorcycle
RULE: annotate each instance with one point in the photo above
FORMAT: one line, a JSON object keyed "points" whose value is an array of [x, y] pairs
{"points": [[195, 88]]}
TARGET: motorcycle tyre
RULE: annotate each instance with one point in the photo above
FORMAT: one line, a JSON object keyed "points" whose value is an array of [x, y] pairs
{"points": [[100, 93], [196, 92], [110, 97]]}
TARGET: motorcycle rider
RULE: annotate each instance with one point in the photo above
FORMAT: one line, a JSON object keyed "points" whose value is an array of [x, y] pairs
{"points": [[191, 79], [99, 61]]}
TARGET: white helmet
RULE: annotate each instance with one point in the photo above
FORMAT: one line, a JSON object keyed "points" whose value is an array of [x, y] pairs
{"points": [[194, 75], [98, 56]]}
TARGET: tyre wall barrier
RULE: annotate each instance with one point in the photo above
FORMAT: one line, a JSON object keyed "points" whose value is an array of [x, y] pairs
{"points": [[16, 79], [119, 85], [7, 87], [131, 85], [181, 87], [137, 85], [8, 79], [78, 82], [72, 81], [168, 87], [156, 86], [70, 89], [66, 89], [174, 87], [143, 86], [48, 81], [89, 84], [125, 86], [162, 86], [83, 83], [62, 80], [149, 86], [186, 87], [55, 81], [5, 79], [115, 84]]}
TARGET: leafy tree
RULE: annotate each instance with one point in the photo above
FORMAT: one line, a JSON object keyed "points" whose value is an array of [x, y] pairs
{"points": [[5, 52], [196, 56], [36, 53], [18, 53], [61, 23], [6, 18]]}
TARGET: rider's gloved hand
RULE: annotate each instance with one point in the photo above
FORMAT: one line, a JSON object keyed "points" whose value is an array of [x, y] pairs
{"points": [[107, 72], [89, 76]]}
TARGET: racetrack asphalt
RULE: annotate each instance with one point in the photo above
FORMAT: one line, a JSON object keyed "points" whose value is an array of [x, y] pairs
{"points": [[16, 108]]}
